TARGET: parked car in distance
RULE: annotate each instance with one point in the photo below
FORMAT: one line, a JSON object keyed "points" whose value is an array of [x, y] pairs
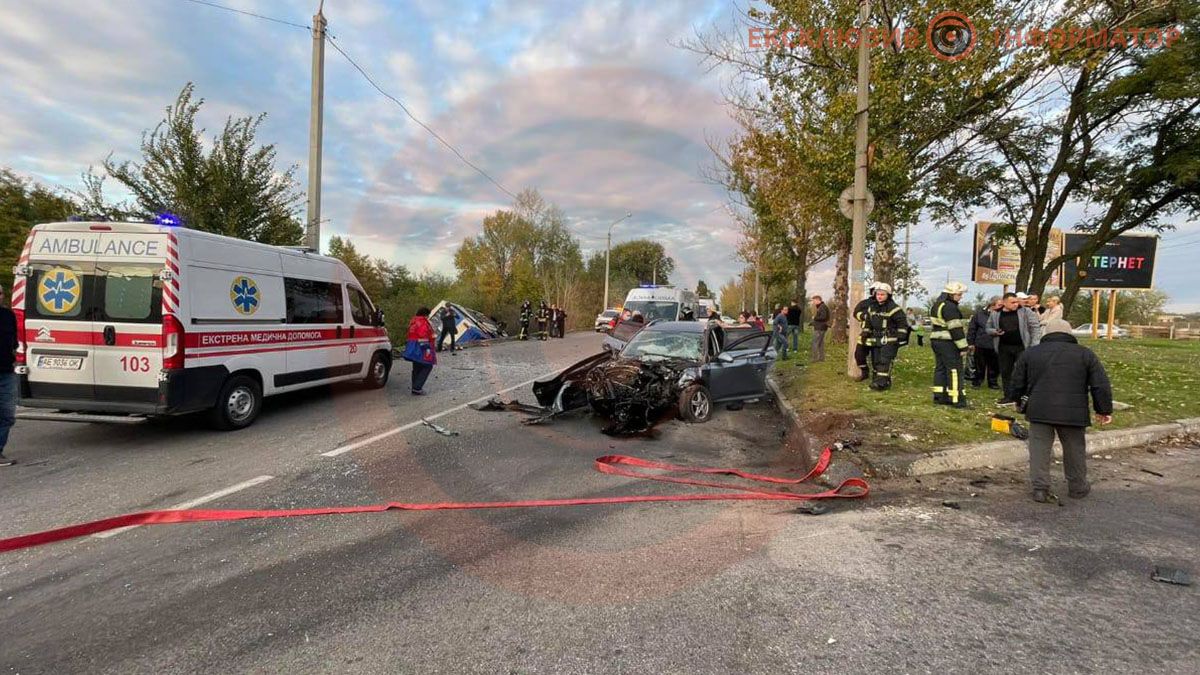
{"points": [[604, 320], [1085, 330]]}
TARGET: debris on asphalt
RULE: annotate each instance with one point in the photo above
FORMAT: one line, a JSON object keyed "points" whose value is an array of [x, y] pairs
{"points": [[441, 430], [497, 403], [951, 504], [1034, 549], [831, 641], [1153, 473], [1171, 575], [982, 481], [813, 509]]}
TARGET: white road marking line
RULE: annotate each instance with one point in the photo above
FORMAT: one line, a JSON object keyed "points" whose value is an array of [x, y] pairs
{"points": [[405, 427], [195, 502]]}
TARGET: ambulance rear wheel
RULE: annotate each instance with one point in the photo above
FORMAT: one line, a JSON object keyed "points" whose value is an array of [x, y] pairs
{"points": [[239, 403], [378, 371]]}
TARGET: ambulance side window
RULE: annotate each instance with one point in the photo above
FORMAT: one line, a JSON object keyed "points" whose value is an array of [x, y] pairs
{"points": [[311, 301], [360, 307]]}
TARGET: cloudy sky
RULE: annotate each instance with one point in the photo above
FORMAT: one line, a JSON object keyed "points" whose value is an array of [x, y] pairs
{"points": [[587, 100]]}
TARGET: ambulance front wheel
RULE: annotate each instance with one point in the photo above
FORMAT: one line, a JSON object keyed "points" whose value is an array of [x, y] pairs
{"points": [[239, 403], [378, 371]]}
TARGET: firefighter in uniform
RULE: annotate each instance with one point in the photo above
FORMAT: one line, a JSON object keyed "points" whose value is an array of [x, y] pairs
{"points": [[949, 342], [543, 317], [884, 332], [526, 315]]}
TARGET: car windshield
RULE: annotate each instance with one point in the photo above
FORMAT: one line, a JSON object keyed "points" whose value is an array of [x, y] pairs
{"points": [[652, 310], [609, 313], [659, 345]]}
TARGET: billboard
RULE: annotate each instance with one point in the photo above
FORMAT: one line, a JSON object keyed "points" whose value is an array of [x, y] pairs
{"points": [[1126, 262], [998, 263]]}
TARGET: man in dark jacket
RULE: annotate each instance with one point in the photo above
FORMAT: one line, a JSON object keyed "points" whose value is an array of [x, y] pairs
{"points": [[987, 364], [949, 342], [1057, 375], [449, 327], [884, 331], [560, 322], [820, 324], [795, 324]]}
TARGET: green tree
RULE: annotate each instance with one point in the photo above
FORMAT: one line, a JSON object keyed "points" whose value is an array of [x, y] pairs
{"points": [[702, 289], [1137, 308], [638, 258], [233, 189], [24, 204], [1119, 134], [378, 277]]}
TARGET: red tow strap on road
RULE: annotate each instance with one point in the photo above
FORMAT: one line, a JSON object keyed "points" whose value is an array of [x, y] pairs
{"points": [[851, 488]]}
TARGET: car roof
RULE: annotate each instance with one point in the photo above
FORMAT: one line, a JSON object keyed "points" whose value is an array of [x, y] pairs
{"points": [[676, 327]]}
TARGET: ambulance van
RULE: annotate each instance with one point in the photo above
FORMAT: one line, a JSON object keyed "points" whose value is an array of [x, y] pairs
{"points": [[138, 319]]}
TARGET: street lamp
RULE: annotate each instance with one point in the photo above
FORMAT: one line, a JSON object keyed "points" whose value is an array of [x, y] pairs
{"points": [[607, 255]]}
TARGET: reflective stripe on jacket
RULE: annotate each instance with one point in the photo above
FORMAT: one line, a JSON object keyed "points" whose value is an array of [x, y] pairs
{"points": [[948, 322], [882, 324]]}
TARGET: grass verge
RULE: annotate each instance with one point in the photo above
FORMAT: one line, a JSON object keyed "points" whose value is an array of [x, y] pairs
{"points": [[1159, 378]]}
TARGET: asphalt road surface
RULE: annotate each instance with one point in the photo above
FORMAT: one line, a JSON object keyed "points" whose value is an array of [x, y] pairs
{"points": [[897, 583]]}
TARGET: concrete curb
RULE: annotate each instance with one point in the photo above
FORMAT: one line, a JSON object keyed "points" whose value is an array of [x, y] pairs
{"points": [[973, 456], [1008, 453], [838, 470]]}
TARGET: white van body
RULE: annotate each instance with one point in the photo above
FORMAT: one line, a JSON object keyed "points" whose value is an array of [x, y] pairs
{"points": [[137, 318], [662, 302]]}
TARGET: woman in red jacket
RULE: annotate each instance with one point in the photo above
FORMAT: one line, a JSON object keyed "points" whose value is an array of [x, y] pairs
{"points": [[419, 349]]}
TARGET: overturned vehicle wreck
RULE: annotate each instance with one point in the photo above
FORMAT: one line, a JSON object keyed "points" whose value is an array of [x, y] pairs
{"points": [[685, 367]]}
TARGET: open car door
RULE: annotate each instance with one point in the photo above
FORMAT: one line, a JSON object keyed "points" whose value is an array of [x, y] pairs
{"points": [[739, 370]]}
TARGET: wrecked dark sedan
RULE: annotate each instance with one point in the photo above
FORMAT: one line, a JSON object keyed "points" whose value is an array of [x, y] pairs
{"points": [[685, 366]]}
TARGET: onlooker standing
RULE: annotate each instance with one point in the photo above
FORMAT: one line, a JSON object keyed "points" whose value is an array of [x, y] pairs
{"points": [[757, 321], [1057, 375], [1053, 309], [820, 324], [780, 323], [795, 324], [982, 347], [8, 378], [419, 349], [560, 322], [553, 320], [449, 322], [1034, 302], [914, 326], [1014, 329]]}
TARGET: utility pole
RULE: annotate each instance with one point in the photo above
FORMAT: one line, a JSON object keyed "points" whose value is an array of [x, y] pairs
{"points": [[312, 234], [757, 264], [608, 254], [858, 254], [907, 260]]}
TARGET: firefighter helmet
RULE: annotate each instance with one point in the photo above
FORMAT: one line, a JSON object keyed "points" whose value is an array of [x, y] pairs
{"points": [[880, 286], [955, 288]]}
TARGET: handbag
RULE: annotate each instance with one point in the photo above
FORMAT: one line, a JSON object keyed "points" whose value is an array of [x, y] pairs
{"points": [[418, 351]]}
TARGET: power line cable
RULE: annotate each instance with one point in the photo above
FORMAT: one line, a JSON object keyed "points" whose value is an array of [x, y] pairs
{"points": [[333, 43], [244, 12]]}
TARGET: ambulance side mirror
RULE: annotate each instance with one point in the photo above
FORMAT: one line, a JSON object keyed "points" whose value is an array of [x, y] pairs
{"points": [[378, 317], [22, 271]]}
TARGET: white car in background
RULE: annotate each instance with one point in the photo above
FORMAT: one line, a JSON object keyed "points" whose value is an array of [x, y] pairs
{"points": [[1085, 330], [604, 320]]}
